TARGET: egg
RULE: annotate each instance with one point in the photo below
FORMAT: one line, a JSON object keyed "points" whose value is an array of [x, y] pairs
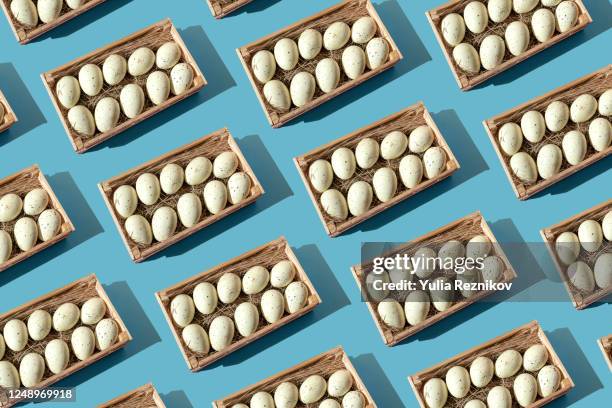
{"points": [[524, 167], [261, 399], [6, 246], [205, 298], [164, 223], [508, 363], [24, 12], [91, 79], [182, 310], [263, 65], [66, 317], [139, 229], [83, 342], [221, 332], [255, 280], [107, 332], [343, 163], [114, 69], [556, 116], [359, 197], [605, 103], [606, 226], [574, 146], [310, 43], [510, 138], [441, 297], [603, 271], [181, 78], [148, 188], [93, 310], [600, 133], [296, 296], [198, 170], [474, 404], [478, 247], [434, 161], [535, 357], [453, 29], [286, 53], [49, 10], [458, 381], [336, 36], [543, 24], [393, 145], [57, 355], [282, 274], [26, 233], [517, 37], [353, 399], [35, 201], [481, 371], [132, 100], [377, 52], [286, 395], [367, 153], [411, 170], [590, 234], [272, 305], [321, 175], [567, 15], [334, 204], [229, 287], [524, 6], [302, 88], [82, 121], [353, 61], [312, 389], [239, 187], [196, 339], [567, 246], [549, 380], [533, 126], [31, 369], [171, 178], [2, 346], [74, 4], [15, 335], [416, 307], [581, 276], [525, 389], [549, 160], [68, 91], [435, 392], [158, 87], [420, 139], [392, 314], [106, 114], [583, 108], [168, 55], [499, 10], [246, 317], [466, 57], [550, 3], [9, 377], [215, 196], [492, 51], [327, 73], [425, 266], [10, 207], [476, 17], [451, 250], [499, 397], [277, 95], [385, 184], [141, 61]]}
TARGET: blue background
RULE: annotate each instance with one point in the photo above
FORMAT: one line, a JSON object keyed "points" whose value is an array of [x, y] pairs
{"points": [[229, 101]]}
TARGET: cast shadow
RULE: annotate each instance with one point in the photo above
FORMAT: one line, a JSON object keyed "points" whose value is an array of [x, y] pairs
{"points": [[176, 399], [29, 116], [581, 177], [577, 365], [254, 7], [376, 381]]}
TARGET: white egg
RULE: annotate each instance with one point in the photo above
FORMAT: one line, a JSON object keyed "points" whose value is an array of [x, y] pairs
{"points": [[353, 399], [392, 314], [606, 226], [15, 335], [83, 342], [499, 10], [163, 223], [106, 114], [312, 389], [168, 55], [75, 4], [272, 305], [508, 363], [148, 188], [549, 160], [603, 270], [377, 52], [286, 53], [296, 296], [132, 100], [198, 170], [567, 15], [91, 79], [517, 37], [363, 30], [31, 369], [435, 392], [453, 29], [492, 51], [510, 138], [441, 297], [255, 280], [286, 395], [66, 317], [466, 57], [282, 274], [334, 204], [336, 36], [246, 317], [353, 61], [158, 87], [93, 310], [182, 310], [425, 267], [492, 269], [434, 161], [605, 103], [476, 17], [549, 379], [550, 3], [583, 108], [574, 146], [229, 287], [556, 116], [343, 163], [499, 397], [221, 332], [590, 234], [205, 298], [239, 187], [420, 139], [35, 201], [327, 73], [567, 246], [139, 229], [68, 91], [302, 88], [10, 207], [458, 381], [263, 65], [535, 357], [310, 43], [26, 233], [57, 355], [82, 121], [196, 339], [417, 307], [475, 404], [215, 196], [9, 377], [6, 246], [543, 24], [24, 12], [481, 371], [524, 167], [375, 288], [261, 399], [114, 69], [171, 178], [359, 197], [393, 145], [107, 332], [321, 175], [385, 184], [525, 389], [277, 95], [524, 6], [600, 133], [367, 153], [141, 61], [181, 78]]}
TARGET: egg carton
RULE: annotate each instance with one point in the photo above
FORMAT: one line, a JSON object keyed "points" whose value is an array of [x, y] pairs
{"points": [[596, 84], [20, 183], [145, 396], [468, 81], [347, 11], [323, 365], [77, 293], [605, 343], [7, 115], [152, 37], [25, 34], [519, 339], [405, 121], [214, 143], [580, 298], [221, 8], [462, 230]]}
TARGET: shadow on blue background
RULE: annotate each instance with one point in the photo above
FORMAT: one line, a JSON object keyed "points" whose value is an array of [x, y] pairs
{"points": [[376, 381], [578, 178], [253, 7], [176, 399], [28, 114]]}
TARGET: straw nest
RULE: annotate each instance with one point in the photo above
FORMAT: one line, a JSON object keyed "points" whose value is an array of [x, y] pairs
{"points": [[142, 398], [20, 27]]}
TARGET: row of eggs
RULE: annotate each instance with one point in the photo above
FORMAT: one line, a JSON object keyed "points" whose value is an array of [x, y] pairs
{"points": [[458, 380], [516, 36], [83, 340], [28, 14], [312, 390], [26, 230]]}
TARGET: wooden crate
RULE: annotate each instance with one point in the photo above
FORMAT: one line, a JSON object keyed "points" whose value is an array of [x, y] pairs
{"points": [[468, 81], [519, 339], [76, 292], [462, 229], [24, 34], [596, 83], [221, 8], [605, 343], [580, 300], [20, 183], [405, 121], [148, 37], [217, 141], [9, 117], [142, 397], [324, 364], [319, 21]]}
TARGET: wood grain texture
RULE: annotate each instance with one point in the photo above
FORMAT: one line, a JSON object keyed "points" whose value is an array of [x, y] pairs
{"points": [[142, 397], [601, 79], [519, 339], [148, 37], [221, 8], [219, 141], [377, 130], [319, 21], [466, 82], [24, 35], [33, 178], [605, 344], [549, 235], [324, 364], [9, 118], [469, 226]]}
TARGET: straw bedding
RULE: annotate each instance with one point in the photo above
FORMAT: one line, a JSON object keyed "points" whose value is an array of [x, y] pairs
{"points": [[65, 9]]}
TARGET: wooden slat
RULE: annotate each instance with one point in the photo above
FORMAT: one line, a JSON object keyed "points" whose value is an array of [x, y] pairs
{"points": [[605, 343], [142, 397], [220, 8], [9, 117]]}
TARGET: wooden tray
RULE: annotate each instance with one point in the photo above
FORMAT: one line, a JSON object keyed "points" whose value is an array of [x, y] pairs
{"points": [[9, 118], [20, 183], [24, 35], [76, 292], [148, 37], [264, 255], [466, 82], [519, 339], [550, 234], [182, 155], [404, 120], [323, 364], [221, 8], [319, 22], [142, 397], [605, 343], [600, 78], [462, 229]]}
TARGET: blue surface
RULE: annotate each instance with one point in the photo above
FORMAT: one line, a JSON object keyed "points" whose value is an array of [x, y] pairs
{"points": [[228, 100]]}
